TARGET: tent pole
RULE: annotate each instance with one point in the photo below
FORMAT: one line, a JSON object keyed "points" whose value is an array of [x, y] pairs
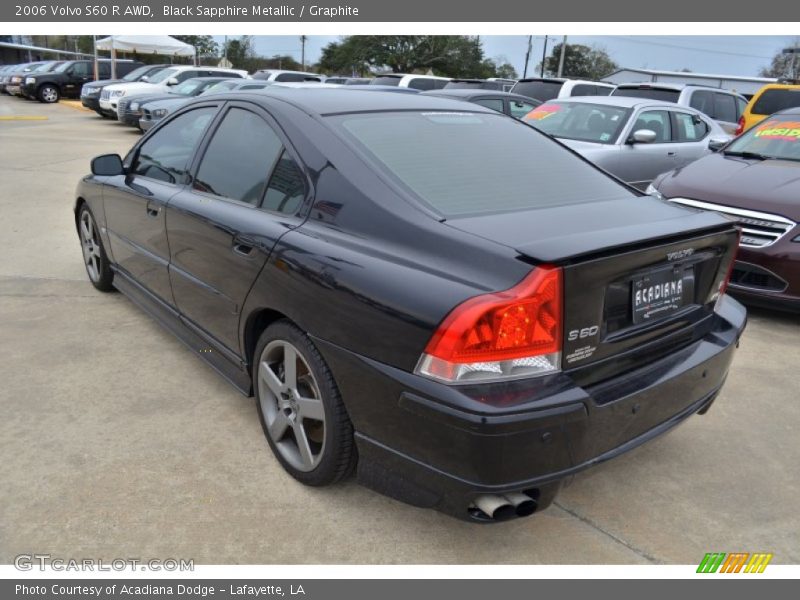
{"points": [[113, 59], [96, 65]]}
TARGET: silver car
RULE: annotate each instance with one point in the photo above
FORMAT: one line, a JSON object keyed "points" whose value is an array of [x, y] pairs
{"points": [[633, 138]]}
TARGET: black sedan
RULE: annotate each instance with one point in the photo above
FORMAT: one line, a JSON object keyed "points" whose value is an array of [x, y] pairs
{"points": [[443, 299], [512, 105]]}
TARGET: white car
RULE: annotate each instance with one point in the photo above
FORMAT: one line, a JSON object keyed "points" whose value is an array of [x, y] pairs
{"points": [[415, 82], [282, 76], [161, 82]]}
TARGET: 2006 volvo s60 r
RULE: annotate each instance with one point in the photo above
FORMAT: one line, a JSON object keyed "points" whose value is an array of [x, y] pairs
{"points": [[425, 291]]}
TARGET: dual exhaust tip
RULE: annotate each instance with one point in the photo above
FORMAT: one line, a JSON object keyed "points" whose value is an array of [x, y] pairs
{"points": [[502, 507]]}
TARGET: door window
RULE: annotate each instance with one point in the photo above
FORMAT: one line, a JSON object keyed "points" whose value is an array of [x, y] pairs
{"points": [[703, 101], [287, 189], [80, 70], [166, 155], [519, 109], [689, 128], [655, 120], [239, 158], [725, 107], [494, 104], [583, 89]]}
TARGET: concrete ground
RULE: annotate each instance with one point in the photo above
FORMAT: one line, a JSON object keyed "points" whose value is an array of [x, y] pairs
{"points": [[116, 441]]}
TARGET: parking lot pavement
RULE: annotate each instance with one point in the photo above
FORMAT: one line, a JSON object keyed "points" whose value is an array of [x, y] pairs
{"points": [[116, 441]]}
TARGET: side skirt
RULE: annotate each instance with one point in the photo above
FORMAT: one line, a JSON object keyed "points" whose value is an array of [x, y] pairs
{"points": [[218, 358]]}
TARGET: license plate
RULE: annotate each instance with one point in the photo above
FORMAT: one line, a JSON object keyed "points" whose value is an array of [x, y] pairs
{"points": [[657, 295]]}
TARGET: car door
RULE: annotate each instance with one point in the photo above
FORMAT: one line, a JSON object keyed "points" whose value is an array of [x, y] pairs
{"points": [[246, 192], [640, 163], [78, 74], [496, 104], [690, 133], [134, 203]]}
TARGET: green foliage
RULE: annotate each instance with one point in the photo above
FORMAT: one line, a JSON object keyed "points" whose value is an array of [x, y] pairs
{"points": [[205, 45], [781, 66], [580, 62]]}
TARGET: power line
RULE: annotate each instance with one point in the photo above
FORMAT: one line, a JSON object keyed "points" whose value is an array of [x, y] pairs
{"points": [[682, 47]]}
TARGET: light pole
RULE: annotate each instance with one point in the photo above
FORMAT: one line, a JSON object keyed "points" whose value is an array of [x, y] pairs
{"points": [[544, 57], [793, 51], [303, 39], [527, 56]]}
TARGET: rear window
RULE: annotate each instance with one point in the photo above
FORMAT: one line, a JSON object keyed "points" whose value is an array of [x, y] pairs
{"points": [[474, 163], [773, 100], [541, 90], [464, 85], [386, 81], [648, 92]]}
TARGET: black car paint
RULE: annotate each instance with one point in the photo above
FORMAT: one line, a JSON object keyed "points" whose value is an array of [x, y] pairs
{"points": [[370, 281], [69, 84]]}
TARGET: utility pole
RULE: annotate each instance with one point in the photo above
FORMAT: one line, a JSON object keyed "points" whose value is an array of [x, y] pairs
{"points": [[527, 56], [561, 59], [544, 57], [303, 39]]}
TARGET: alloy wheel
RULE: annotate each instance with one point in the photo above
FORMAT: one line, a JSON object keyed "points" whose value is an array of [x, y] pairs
{"points": [[291, 404], [91, 246], [49, 94]]}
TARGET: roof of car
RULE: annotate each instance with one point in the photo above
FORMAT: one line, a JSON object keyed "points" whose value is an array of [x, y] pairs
{"points": [[794, 110], [324, 101], [467, 93], [658, 85], [620, 101]]}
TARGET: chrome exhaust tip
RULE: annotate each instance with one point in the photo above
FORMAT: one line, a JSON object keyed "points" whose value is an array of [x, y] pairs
{"points": [[496, 507], [523, 504]]}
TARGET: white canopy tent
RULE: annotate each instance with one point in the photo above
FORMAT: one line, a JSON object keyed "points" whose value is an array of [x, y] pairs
{"points": [[144, 44]]}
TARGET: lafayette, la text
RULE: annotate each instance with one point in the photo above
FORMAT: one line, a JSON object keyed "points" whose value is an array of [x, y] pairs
{"points": [[147, 589]]}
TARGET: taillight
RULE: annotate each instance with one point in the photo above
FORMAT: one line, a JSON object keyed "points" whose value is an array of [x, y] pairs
{"points": [[722, 287], [508, 334], [740, 127]]}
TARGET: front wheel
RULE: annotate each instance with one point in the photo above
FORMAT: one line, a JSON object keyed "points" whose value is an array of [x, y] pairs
{"points": [[49, 94], [301, 411], [98, 267]]}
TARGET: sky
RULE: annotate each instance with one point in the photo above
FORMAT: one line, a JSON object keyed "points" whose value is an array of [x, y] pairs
{"points": [[724, 55]]}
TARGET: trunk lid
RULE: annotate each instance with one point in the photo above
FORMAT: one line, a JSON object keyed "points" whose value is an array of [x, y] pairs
{"points": [[610, 251]]}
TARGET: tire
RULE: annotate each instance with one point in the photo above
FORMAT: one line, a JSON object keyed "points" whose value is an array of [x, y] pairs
{"points": [[102, 114], [309, 406], [48, 94], [95, 259]]}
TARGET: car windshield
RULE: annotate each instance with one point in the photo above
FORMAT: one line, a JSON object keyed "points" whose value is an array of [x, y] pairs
{"points": [[63, 67], [137, 73], [773, 100], [162, 76], [541, 90], [579, 121], [187, 88], [648, 92], [777, 137], [466, 163], [45, 67]]}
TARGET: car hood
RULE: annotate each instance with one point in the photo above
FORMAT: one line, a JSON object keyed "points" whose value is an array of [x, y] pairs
{"points": [[148, 98], [134, 87], [563, 232], [104, 82], [762, 185], [167, 102]]}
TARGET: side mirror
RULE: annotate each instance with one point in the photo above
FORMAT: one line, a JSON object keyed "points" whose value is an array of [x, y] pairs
{"points": [[107, 165], [642, 136], [144, 78], [716, 144], [172, 81]]}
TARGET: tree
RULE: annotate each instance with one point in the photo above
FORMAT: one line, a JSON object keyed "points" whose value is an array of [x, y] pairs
{"points": [[450, 55], [204, 45], [580, 62], [240, 51], [781, 66]]}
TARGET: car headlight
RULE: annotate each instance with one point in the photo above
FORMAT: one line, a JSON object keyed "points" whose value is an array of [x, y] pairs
{"points": [[134, 106], [30, 80], [652, 191], [159, 113], [91, 91], [16, 79]]}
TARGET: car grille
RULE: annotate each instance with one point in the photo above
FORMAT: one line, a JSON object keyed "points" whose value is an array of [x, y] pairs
{"points": [[759, 229], [755, 277], [105, 95], [122, 106]]}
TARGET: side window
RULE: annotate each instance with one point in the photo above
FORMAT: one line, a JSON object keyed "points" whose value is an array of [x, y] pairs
{"points": [[438, 84], [166, 155], [103, 69], [725, 108], [689, 128], [583, 89], [420, 83], [704, 102], [290, 77], [239, 158], [287, 189], [490, 103], [655, 120], [184, 75], [228, 74], [602, 90], [81, 69], [519, 109], [740, 106]]}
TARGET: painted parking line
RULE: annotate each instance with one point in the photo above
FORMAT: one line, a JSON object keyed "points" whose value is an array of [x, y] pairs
{"points": [[23, 118], [76, 104]]}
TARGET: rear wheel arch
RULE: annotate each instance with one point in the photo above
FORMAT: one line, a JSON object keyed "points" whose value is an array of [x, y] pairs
{"points": [[257, 321]]}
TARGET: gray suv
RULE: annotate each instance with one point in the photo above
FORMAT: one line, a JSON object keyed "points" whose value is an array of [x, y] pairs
{"points": [[724, 106]]}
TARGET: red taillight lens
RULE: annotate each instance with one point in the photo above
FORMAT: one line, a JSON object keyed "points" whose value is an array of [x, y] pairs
{"points": [[740, 127], [513, 333]]}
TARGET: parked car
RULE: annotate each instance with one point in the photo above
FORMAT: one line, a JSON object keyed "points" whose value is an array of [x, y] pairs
{"points": [[130, 109], [160, 83], [381, 88], [724, 106], [69, 77], [230, 85], [45, 67], [755, 180], [336, 254], [348, 80], [285, 76], [770, 99], [493, 83], [417, 82], [549, 88], [5, 75], [634, 139], [512, 105], [90, 92], [16, 77]]}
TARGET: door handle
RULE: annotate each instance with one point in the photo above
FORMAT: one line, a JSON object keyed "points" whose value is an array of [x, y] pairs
{"points": [[243, 246], [671, 153], [152, 211]]}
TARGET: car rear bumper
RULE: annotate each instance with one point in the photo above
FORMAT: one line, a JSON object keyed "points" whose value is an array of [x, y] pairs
{"points": [[441, 446]]}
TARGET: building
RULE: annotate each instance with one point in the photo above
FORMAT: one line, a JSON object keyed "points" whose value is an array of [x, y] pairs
{"points": [[747, 86]]}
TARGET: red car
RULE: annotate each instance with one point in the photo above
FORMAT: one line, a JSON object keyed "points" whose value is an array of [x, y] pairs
{"points": [[755, 179]]}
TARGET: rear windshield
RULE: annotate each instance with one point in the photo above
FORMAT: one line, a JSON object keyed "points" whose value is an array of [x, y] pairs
{"points": [[385, 81], [464, 85], [541, 90], [650, 93], [771, 101], [579, 121], [777, 137], [474, 163]]}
